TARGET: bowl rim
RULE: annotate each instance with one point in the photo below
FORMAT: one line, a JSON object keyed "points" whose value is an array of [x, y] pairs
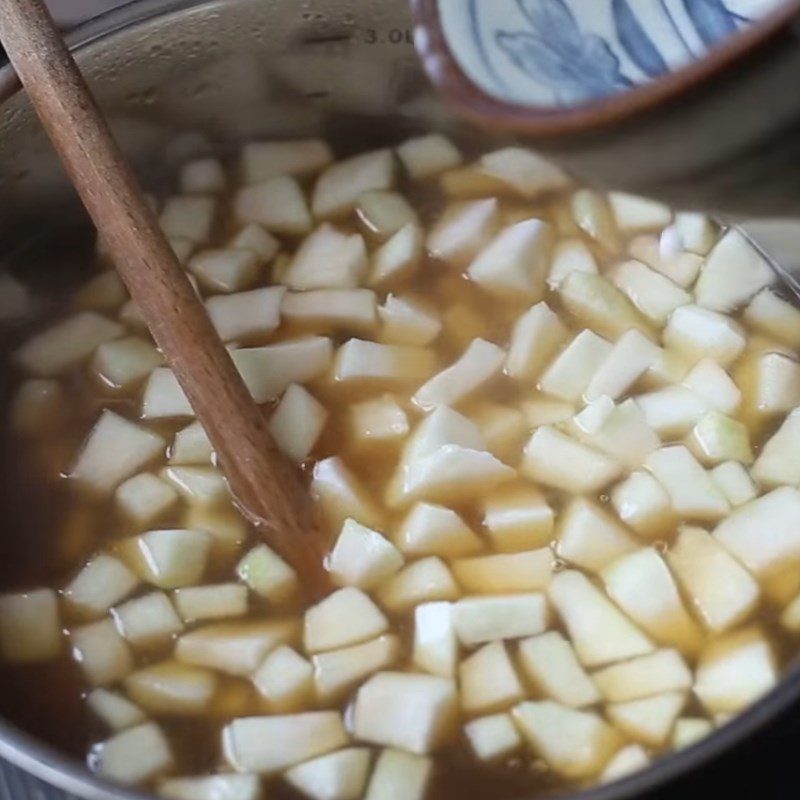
{"points": [[46, 763], [546, 122]]}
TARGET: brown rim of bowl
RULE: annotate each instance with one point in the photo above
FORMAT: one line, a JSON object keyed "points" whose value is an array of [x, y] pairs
{"points": [[545, 122]]}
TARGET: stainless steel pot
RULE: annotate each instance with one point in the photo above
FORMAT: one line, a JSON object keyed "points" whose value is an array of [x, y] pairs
{"points": [[182, 77]]}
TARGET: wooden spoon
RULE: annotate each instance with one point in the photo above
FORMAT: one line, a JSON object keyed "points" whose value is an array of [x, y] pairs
{"points": [[266, 485]]}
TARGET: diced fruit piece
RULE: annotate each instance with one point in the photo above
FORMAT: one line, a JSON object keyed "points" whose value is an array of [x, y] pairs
{"points": [[407, 320], [734, 271], [575, 744], [722, 592], [202, 176], [777, 383], [285, 679], [377, 423], [434, 530], [201, 485], [649, 675], [189, 217], [277, 204], [643, 504], [297, 422], [163, 396], [763, 534], [718, 437], [463, 230], [649, 721], [425, 156], [30, 627], [337, 776], [254, 238], [384, 213], [116, 712], [214, 787], [570, 255], [672, 411], [211, 602], [551, 664], [168, 558], [556, 460], [670, 367], [589, 537], [246, 315], [489, 619], [689, 730], [477, 365], [134, 756], [170, 688], [692, 492], [536, 336], [268, 370], [398, 258], [413, 712], [622, 432], [515, 262], [501, 573], [37, 407], [570, 373], [371, 363], [114, 449], [703, 333], [630, 358], [593, 216], [144, 497], [338, 188], [492, 738], [399, 776], [225, 525], [774, 316], [524, 171], [627, 761], [680, 267], [362, 557], [267, 574], [635, 214], [191, 446], [488, 681], [653, 294], [337, 671], [225, 271], [103, 292], [236, 648], [502, 427], [328, 259], [269, 745], [419, 582], [147, 621], [712, 384], [698, 233], [517, 517], [123, 362], [734, 481], [598, 630], [101, 652], [735, 670], [339, 495], [102, 583], [641, 585], [345, 617], [790, 618], [264, 160], [435, 642]]}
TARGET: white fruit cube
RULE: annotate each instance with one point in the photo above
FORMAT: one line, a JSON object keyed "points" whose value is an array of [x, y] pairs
{"points": [[462, 231], [655, 295], [225, 271], [503, 428], [384, 213], [105, 291], [164, 397], [599, 632], [634, 213], [419, 582], [145, 497], [101, 652], [734, 481], [114, 449], [147, 621], [649, 721], [654, 674], [285, 679], [774, 316], [592, 214], [703, 333], [489, 619], [188, 217], [777, 383], [630, 358], [168, 558], [721, 591], [589, 537], [215, 787], [681, 268], [399, 775], [246, 315], [337, 671], [191, 446], [362, 557], [575, 744], [116, 712], [718, 437], [328, 309], [435, 642], [413, 712], [642, 586], [225, 524], [407, 320], [550, 663], [398, 258], [492, 738], [672, 411], [124, 362], [734, 271], [488, 681], [536, 336], [569, 375], [267, 574], [503, 573], [735, 670], [712, 384], [102, 583], [170, 688], [527, 173], [236, 648], [297, 422], [254, 238], [377, 423], [277, 204], [425, 156], [642, 503], [30, 627], [270, 745], [698, 233], [517, 518], [338, 776], [264, 160], [627, 761], [345, 617], [200, 485], [790, 617], [338, 188], [202, 176], [134, 756], [431, 530], [340, 495], [689, 730], [763, 534], [328, 259], [371, 363], [224, 600]]}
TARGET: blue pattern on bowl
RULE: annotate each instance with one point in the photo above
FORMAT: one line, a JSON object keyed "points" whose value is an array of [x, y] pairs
{"points": [[568, 52]]}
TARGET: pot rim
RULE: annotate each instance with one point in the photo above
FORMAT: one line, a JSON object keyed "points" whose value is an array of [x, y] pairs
{"points": [[44, 762]]}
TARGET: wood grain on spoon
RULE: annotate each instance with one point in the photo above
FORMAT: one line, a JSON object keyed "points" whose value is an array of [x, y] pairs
{"points": [[266, 484]]}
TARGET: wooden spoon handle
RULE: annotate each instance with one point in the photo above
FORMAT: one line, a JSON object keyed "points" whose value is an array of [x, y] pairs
{"points": [[266, 485]]}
